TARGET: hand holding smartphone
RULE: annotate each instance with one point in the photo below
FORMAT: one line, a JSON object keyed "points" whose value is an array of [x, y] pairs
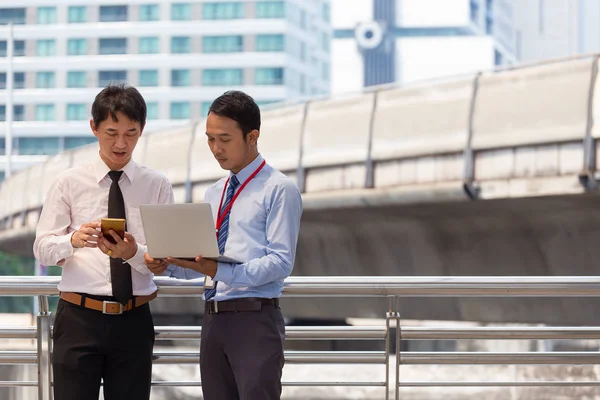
{"points": [[115, 224]]}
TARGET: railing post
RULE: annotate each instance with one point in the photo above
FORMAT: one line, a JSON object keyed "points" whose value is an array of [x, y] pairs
{"points": [[392, 315], [44, 345]]}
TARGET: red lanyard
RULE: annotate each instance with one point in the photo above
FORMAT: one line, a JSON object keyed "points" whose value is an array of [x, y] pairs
{"points": [[221, 216]]}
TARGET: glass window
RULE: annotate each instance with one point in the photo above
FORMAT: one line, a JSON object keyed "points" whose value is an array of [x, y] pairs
{"points": [[113, 13], [77, 47], [180, 110], [327, 12], [38, 145], [225, 10], [18, 80], [181, 77], [18, 48], [325, 71], [223, 77], [222, 44], [149, 45], [44, 112], [152, 110], [269, 76], [14, 15], [149, 12], [181, 44], [148, 77], [105, 78], [73, 142], [76, 79], [18, 112], [76, 112], [46, 15], [2, 145], [77, 14], [112, 46], [325, 41], [205, 108], [270, 9], [2, 173], [44, 80], [181, 12], [270, 43], [46, 47]]}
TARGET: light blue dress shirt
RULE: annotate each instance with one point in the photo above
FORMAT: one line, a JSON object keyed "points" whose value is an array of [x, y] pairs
{"points": [[263, 233]]}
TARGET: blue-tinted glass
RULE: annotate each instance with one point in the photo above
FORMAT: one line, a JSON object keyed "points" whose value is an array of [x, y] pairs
{"points": [[326, 12], [76, 112], [180, 110], [18, 80], [107, 77], [46, 47], [181, 12], [205, 109], [73, 142], [44, 80], [77, 47], [148, 77], [149, 45], [38, 145], [181, 77], [152, 110], [181, 44], [222, 77], [225, 10], [112, 46], [18, 48], [46, 15], [270, 43], [269, 76], [15, 15], [270, 9], [325, 71], [222, 44], [325, 41], [113, 13], [18, 112], [2, 173], [149, 12], [44, 112], [76, 79], [77, 14]]}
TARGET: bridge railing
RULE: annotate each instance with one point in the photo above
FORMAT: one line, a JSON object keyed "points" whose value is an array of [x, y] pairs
{"points": [[485, 132], [393, 288]]}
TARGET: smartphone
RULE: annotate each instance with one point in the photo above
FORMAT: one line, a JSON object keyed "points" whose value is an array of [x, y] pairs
{"points": [[116, 224]]}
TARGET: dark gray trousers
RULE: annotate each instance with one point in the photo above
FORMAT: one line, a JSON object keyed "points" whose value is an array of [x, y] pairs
{"points": [[241, 355]]}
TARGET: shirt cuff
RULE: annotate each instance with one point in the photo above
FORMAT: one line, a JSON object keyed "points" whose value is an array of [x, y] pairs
{"points": [[137, 261], [64, 248], [224, 273]]}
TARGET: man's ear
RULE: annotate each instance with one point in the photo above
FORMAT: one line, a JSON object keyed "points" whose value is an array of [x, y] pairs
{"points": [[252, 136], [93, 127]]}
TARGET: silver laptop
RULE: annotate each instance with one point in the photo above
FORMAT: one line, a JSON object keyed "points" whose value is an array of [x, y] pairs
{"points": [[181, 231]]}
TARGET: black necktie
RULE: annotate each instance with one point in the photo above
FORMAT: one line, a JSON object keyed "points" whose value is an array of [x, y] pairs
{"points": [[120, 273]]}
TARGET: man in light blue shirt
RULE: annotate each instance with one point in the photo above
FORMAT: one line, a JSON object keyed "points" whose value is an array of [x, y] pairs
{"points": [[257, 211]]}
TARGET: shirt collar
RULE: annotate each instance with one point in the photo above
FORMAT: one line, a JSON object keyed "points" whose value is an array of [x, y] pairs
{"points": [[101, 170], [248, 169]]}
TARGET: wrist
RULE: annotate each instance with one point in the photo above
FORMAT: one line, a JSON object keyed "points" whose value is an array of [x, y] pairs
{"points": [[131, 254]]}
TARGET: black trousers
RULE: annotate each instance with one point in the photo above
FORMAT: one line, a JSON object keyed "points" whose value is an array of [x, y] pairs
{"points": [[241, 355], [90, 346]]}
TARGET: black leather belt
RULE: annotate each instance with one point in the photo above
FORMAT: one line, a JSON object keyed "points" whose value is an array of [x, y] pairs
{"points": [[238, 305]]}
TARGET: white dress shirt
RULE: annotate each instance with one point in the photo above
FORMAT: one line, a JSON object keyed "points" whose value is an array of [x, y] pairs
{"points": [[80, 195]]}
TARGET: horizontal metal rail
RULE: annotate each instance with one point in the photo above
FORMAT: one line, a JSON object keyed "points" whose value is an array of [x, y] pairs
{"points": [[8, 384], [500, 333], [490, 358], [18, 357], [293, 357], [379, 286], [18, 333], [501, 384]]}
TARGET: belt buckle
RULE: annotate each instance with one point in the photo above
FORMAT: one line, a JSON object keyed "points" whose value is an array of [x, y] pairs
{"points": [[216, 307], [105, 303]]}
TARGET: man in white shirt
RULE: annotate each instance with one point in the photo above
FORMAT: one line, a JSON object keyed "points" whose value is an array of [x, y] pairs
{"points": [[103, 329]]}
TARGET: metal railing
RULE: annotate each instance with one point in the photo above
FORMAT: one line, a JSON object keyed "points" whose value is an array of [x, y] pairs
{"points": [[391, 287]]}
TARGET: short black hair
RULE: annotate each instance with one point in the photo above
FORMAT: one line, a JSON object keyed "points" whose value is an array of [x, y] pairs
{"points": [[240, 107], [116, 98]]}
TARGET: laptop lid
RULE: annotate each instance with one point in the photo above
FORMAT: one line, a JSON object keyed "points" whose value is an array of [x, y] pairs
{"points": [[181, 231]]}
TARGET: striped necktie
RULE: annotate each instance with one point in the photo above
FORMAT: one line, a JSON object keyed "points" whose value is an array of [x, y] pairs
{"points": [[223, 229]]}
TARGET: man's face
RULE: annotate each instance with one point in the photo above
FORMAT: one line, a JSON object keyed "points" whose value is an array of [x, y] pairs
{"points": [[117, 140], [226, 142]]}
